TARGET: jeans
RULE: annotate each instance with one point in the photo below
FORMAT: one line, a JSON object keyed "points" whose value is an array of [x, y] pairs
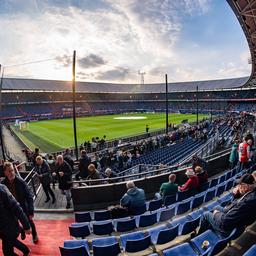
{"points": [[47, 190], [9, 244], [208, 222], [67, 194]]}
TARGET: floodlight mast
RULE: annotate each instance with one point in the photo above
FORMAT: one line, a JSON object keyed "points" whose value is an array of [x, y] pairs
{"points": [[1, 114], [166, 105], [141, 74], [74, 102]]}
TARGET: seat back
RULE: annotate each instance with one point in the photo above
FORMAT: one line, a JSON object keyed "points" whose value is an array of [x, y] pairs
{"points": [[109, 250], [155, 204], [220, 190], [127, 225], [168, 200], [190, 226], [182, 195], [138, 245], [197, 201], [251, 251], [148, 219], [167, 214], [214, 182], [82, 217], [102, 215], [81, 230], [209, 195], [102, 227], [74, 251], [167, 235], [183, 207]]}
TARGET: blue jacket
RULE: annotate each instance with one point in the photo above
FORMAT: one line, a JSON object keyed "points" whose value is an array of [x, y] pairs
{"points": [[10, 213], [240, 213], [133, 199]]}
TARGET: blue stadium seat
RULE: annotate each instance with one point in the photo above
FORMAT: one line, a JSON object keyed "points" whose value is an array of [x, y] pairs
{"points": [[210, 194], [180, 221], [222, 178], [229, 184], [197, 200], [251, 251], [214, 182], [79, 230], [135, 242], [74, 251], [205, 186], [102, 215], [211, 206], [155, 204], [208, 235], [124, 224], [77, 243], [220, 189], [167, 214], [140, 210], [147, 219], [166, 235], [183, 206], [105, 246], [180, 250], [196, 213], [82, 217], [170, 200], [102, 227], [189, 226], [182, 195]]}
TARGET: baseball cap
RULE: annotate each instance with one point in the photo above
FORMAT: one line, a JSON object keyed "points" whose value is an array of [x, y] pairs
{"points": [[246, 178]]}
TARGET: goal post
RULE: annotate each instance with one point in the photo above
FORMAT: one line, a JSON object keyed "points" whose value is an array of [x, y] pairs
{"points": [[23, 126]]}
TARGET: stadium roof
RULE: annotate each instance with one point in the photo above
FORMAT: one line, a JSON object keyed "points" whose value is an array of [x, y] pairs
{"points": [[245, 11], [51, 85]]}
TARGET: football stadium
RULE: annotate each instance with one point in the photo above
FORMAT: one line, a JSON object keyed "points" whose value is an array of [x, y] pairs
{"points": [[128, 128]]}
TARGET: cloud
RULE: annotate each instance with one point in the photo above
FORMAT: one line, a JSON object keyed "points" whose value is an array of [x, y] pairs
{"points": [[64, 60], [113, 74], [91, 60]]}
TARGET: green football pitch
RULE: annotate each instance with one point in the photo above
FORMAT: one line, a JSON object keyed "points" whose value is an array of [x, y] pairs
{"points": [[54, 135]]}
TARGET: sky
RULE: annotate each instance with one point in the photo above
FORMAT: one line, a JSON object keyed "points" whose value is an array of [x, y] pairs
{"points": [[115, 40]]}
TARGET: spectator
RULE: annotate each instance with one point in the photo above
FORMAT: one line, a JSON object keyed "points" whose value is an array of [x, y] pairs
{"points": [[240, 213], [233, 158], [110, 174], [169, 188], [134, 198], [68, 158], [202, 175], [10, 214], [196, 161], [192, 183], [93, 174], [84, 162], [34, 155], [51, 163], [21, 192], [64, 173], [42, 168], [244, 153]]}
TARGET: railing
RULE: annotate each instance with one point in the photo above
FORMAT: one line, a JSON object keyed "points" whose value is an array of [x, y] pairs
{"points": [[33, 182]]}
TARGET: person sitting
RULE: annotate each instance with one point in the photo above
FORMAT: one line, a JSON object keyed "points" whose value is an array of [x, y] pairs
{"points": [[169, 188], [202, 175], [133, 199], [93, 175], [196, 161], [110, 174], [240, 213], [192, 183]]}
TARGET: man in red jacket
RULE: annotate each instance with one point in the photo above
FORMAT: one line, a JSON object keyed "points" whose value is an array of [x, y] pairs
{"points": [[244, 153], [192, 182]]}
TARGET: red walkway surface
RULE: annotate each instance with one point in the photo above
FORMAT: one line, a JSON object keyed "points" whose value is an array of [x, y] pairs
{"points": [[51, 235]]}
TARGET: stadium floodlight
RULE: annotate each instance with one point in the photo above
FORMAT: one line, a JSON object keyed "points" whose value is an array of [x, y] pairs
{"points": [[141, 74]]}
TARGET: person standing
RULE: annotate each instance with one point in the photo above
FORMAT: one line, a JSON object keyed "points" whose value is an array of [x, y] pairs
{"points": [[84, 162], [244, 153], [42, 168], [21, 192], [10, 215], [64, 173]]}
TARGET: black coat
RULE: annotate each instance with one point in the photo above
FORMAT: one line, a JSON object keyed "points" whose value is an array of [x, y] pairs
{"points": [[45, 171], [10, 213], [23, 194], [84, 162], [64, 180]]}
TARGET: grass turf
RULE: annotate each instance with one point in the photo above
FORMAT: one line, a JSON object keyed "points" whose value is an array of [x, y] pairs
{"points": [[54, 135]]}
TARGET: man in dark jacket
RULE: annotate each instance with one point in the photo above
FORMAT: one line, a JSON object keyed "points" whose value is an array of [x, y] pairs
{"points": [[84, 162], [196, 161], [10, 213], [42, 168], [64, 173], [21, 192], [68, 158], [134, 198], [240, 213]]}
